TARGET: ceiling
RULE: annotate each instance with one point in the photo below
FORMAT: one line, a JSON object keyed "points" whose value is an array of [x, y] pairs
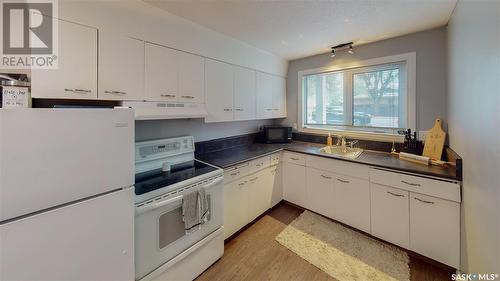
{"points": [[299, 28]]}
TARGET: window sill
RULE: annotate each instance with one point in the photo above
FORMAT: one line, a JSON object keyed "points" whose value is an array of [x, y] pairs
{"points": [[360, 135]]}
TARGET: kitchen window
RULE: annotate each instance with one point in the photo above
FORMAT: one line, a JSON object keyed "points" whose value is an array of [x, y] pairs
{"points": [[371, 100]]}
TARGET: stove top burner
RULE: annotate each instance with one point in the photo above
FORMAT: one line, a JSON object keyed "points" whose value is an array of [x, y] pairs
{"points": [[156, 179]]}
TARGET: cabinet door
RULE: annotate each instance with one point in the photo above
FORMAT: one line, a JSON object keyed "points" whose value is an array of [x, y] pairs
{"points": [[435, 228], [245, 102], [319, 190], [235, 206], [352, 202], [265, 85], [76, 75], [219, 91], [191, 78], [390, 215], [277, 178], [121, 67], [279, 97], [259, 194], [294, 183], [162, 73]]}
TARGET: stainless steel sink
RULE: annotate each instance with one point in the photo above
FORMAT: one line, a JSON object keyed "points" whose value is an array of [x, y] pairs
{"points": [[346, 152]]}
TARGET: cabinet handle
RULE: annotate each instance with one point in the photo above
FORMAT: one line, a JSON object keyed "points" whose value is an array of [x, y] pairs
{"points": [[187, 97], [343, 181], [242, 183], [424, 201], [293, 158], [167, 96], [410, 183], [115, 92], [259, 165], [326, 177], [239, 109], [254, 179], [235, 173], [275, 109], [269, 109], [79, 91], [395, 194], [228, 109]]}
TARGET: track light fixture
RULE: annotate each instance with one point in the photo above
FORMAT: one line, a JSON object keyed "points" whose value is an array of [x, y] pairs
{"points": [[341, 47]]}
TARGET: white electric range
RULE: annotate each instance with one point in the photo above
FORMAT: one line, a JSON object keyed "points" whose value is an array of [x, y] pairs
{"points": [[166, 170]]}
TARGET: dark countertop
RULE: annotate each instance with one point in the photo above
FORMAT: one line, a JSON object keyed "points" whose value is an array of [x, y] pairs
{"points": [[235, 155]]}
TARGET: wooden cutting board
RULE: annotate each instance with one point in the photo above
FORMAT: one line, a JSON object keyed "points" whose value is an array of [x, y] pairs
{"points": [[434, 141]]}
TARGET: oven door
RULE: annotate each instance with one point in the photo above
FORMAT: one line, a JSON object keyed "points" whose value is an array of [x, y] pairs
{"points": [[159, 229]]}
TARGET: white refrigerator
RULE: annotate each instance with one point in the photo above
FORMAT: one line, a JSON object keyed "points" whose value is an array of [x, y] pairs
{"points": [[66, 194]]}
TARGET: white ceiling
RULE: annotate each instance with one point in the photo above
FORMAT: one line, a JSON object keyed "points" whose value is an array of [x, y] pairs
{"points": [[300, 28]]}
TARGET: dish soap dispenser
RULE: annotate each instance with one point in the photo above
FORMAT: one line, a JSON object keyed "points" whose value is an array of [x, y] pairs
{"points": [[329, 140]]}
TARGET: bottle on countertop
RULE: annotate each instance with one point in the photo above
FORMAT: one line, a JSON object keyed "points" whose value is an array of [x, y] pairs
{"points": [[329, 140]]}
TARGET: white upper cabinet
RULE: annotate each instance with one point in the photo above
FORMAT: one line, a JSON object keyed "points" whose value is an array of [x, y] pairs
{"points": [[219, 91], [76, 75], [244, 94], [271, 96], [191, 78], [265, 87], [279, 97], [161, 73], [121, 67]]}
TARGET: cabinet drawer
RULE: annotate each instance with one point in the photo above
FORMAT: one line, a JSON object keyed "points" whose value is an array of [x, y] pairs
{"points": [[390, 215], [438, 188], [236, 172], [259, 164], [435, 228], [338, 166], [295, 158]]}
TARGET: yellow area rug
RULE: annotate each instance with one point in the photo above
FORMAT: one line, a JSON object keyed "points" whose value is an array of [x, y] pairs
{"points": [[343, 253]]}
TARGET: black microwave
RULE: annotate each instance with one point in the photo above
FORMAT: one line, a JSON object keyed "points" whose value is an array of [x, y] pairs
{"points": [[277, 134]]}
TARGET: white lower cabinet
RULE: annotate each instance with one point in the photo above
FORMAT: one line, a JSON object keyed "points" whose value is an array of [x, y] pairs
{"points": [[235, 206], [250, 189], [276, 172], [259, 194], [294, 183], [435, 228], [390, 214], [319, 189], [352, 202]]}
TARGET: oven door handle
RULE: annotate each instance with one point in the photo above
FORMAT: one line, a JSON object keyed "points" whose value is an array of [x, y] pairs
{"points": [[216, 181], [155, 205]]}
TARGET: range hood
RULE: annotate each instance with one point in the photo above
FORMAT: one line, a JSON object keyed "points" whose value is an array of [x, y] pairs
{"points": [[166, 110]]}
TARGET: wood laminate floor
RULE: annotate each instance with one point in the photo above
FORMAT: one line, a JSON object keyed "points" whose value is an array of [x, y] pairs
{"points": [[255, 255]]}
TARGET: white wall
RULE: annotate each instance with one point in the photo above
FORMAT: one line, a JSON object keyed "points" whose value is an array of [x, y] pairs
{"points": [[138, 19], [430, 47], [473, 115]]}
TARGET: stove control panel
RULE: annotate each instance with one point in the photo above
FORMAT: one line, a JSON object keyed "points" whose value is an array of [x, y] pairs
{"points": [[153, 153]]}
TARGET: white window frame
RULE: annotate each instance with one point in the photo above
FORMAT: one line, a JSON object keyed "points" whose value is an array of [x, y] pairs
{"points": [[409, 60]]}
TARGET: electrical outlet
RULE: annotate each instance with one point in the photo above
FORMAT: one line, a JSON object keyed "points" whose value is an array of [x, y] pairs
{"points": [[421, 135], [295, 127]]}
